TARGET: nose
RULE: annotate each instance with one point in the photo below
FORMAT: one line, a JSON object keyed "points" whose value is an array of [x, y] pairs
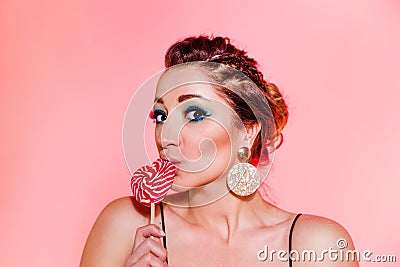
{"points": [[170, 134]]}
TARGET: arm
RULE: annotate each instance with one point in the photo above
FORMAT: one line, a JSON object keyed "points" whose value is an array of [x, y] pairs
{"points": [[321, 235], [111, 239]]}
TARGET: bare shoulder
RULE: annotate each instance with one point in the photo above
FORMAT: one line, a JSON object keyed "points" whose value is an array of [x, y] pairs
{"points": [[110, 240], [124, 211], [328, 238], [308, 224]]}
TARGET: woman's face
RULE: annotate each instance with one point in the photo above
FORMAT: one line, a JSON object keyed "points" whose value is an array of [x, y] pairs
{"points": [[194, 128]]}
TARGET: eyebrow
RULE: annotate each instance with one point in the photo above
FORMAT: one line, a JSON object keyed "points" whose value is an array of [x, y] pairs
{"points": [[181, 98]]}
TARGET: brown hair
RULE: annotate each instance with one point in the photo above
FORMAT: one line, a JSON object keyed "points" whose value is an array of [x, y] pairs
{"points": [[220, 50]]}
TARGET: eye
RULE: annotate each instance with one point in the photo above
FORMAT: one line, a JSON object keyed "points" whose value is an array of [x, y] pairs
{"points": [[158, 116], [195, 114]]}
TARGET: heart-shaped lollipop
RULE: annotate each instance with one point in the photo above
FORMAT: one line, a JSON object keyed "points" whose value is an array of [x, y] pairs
{"points": [[150, 183]]}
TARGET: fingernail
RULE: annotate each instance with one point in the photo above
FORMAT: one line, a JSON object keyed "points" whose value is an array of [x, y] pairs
{"points": [[162, 232]]}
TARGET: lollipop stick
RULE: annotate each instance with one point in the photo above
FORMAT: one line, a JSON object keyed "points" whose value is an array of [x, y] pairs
{"points": [[152, 212]]}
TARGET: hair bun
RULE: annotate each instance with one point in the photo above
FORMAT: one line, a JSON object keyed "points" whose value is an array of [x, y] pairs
{"points": [[219, 49]]}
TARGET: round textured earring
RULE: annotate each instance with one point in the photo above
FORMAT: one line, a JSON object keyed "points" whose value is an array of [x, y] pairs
{"points": [[243, 178]]}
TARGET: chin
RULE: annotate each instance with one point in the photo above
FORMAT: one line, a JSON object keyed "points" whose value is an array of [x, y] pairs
{"points": [[185, 180]]}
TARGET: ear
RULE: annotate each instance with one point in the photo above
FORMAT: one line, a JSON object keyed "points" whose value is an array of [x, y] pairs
{"points": [[251, 133]]}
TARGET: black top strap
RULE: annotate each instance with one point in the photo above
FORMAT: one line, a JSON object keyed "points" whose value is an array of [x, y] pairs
{"points": [[163, 227], [290, 237], [290, 233]]}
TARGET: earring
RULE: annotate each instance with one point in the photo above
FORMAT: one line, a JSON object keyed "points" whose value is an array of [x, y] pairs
{"points": [[243, 178]]}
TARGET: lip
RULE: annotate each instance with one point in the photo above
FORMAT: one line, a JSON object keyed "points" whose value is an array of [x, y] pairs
{"points": [[170, 159], [175, 163]]}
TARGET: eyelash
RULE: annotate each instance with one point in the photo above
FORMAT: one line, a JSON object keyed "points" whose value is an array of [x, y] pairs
{"points": [[192, 108], [155, 113]]}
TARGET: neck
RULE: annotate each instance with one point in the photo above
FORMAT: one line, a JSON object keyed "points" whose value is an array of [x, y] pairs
{"points": [[214, 208], [231, 215]]}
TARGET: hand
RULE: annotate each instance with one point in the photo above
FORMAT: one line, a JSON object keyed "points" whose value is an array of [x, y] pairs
{"points": [[147, 251]]}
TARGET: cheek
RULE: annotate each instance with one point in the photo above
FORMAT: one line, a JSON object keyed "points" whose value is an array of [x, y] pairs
{"points": [[157, 138], [209, 147], [206, 143]]}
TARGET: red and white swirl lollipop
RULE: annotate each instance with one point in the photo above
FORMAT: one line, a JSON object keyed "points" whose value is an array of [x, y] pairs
{"points": [[150, 183]]}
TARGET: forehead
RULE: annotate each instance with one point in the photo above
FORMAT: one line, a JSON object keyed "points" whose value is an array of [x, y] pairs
{"points": [[184, 80]]}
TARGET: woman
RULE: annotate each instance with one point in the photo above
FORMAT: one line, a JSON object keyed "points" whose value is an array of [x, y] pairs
{"points": [[215, 116]]}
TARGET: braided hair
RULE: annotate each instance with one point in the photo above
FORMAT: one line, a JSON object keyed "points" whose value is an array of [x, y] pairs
{"points": [[220, 50]]}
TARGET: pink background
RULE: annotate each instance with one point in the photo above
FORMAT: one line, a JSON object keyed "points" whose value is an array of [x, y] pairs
{"points": [[69, 69]]}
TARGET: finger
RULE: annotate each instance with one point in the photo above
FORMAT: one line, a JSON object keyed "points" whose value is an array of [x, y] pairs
{"points": [[148, 259], [150, 246], [144, 232]]}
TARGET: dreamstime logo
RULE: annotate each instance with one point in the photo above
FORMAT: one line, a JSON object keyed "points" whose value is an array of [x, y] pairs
{"points": [[331, 254], [341, 243], [138, 133]]}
